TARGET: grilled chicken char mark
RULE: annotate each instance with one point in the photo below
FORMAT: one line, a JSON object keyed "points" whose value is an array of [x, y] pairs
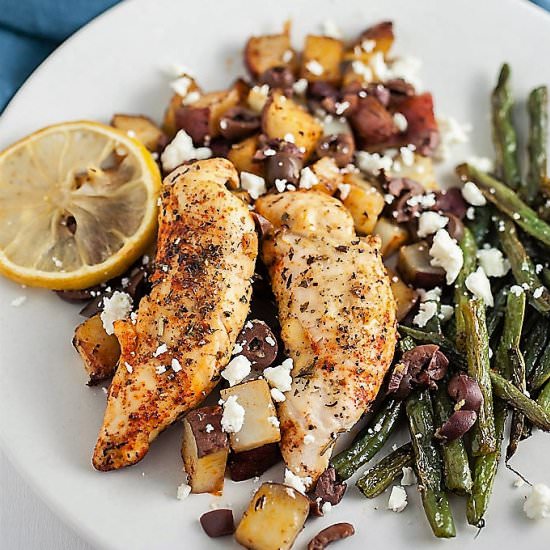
{"points": [[186, 328], [337, 314]]}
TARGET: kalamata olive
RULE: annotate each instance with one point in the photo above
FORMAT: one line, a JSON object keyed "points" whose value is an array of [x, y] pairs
{"points": [[263, 225], [457, 425], [401, 87], [404, 209], [380, 92], [195, 121], [75, 296], [283, 166], [340, 147], [455, 227], [218, 523], [330, 534], [328, 488], [465, 391], [137, 283], [258, 343], [396, 186], [414, 265], [277, 77], [95, 306], [220, 146], [372, 122], [320, 90], [238, 123], [450, 201]]}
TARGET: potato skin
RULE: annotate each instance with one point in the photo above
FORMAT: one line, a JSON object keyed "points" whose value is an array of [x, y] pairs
{"points": [[143, 128], [268, 51]]}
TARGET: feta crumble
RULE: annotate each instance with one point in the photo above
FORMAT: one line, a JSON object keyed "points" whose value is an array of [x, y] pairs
{"points": [[274, 421], [326, 508], [190, 98], [161, 369], [424, 201], [493, 262], [181, 149], [451, 133], [255, 185], [176, 365], [398, 499], [446, 312], [184, 490], [472, 194], [277, 395], [115, 308], [426, 310], [363, 70], [344, 189], [409, 477], [279, 377], [373, 163], [270, 341], [280, 185], [19, 301], [181, 85], [163, 348], [309, 439], [481, 163], [233, 415], [516, 290], [478, 284], [257, 97], [237, 370], [537, 293], [301, 484], [330, 29], [314, 67], [400, 122], [129, 367], [537, 504], [446, 253], [300, 86], [307, 178], [430, 222]]}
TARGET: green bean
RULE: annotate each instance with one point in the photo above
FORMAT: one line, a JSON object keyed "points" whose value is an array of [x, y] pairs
{"points": [[519, 401], [543, 399], [434, 323], [428, 465], [477, 353], [406, 344], [461, 296], [496, 313], [378, 478], [369, 441], [504, 133], [537, 105], [542, 371], [523, 267], [535, 342], [518, 420], [546, 275], [456, 469], [481, 224], [507, 201]]}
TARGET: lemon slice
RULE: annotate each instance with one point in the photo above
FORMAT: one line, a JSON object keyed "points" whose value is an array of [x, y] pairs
{"points": [[78, 205]]}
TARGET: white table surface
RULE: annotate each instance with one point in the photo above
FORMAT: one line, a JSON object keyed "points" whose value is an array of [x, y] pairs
{"points": [[26, 523]]}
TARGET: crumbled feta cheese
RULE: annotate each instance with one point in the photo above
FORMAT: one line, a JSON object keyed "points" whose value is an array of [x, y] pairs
{"points": [[330, 28], [363, 70], [405, 67], [280, 185], [398, 499], [407, 156], [115, 308], [274, 421], [472, 194], [300, 86], [161, 369], [309, 439], [133, 317], [237, 370], [163, 348], [537, 504], [301, 484], [209, 428], [190, 98], [481, 163], [181, 85], [446, 312], [424, 201], [446, 253], [176, 365], [451, 133], [471, 213], [326, 508], [426, 310], [19, 301], [537, 293], [255, 185], [430, 222], [373, 163], [314, 67], [277, 395], [129, 367], [287, 56], [344, 189], [279, 377], [257, 97], [538, 268], [478, 284], [409, 477], [307, 178], [184, 490], [400, 122], [270, 341], [493, 262], [233, 415], [388, 199], [237, 348], [426, 295], [368, 45], [181, 149]]}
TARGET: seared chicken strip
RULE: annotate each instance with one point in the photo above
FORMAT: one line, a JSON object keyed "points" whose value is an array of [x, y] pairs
{"points": [[337, 316], [186, 328]]}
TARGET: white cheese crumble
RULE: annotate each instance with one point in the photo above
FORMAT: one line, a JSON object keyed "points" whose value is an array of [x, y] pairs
{"points": [[430, 222], [368, 45], [331, 29], [270, 341], [181, 85], [300, 86], [161, 369], [398, 499], [280, 185], [301, 484], [472, 194], [287, 56], [326, 508], [255, 185], [537, 293], [373, 163], [478, 284], [237, 348], [209, 428], [277, 395], [237, 370], [537, 504], [129, 367], [493, 262], [163, 348], [309, 439], [409, 477], [257, 97], [314, 67], [516, 290], [426, 295], [184, 490], [451, 133], [191, 97], [471, 213], [446, 253], [115, 308], [446, 312], [424, 201], [308, 178], [426, 310], [176, 365], [18, 301], [481, 163], [181, 149], [344, 189], [274, 421], [279, 377], [233, 415], [400, 122], [364, 71]]}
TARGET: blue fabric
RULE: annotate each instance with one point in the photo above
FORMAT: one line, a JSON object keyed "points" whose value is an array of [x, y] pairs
{"points": [[32, 29]]}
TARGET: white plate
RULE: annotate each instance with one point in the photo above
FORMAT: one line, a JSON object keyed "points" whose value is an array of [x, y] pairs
{"points": [[49, 418]]}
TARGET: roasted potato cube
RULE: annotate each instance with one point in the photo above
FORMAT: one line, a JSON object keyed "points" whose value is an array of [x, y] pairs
{"points": [[328, 174], [260, 425], [282, 118], [415, 266], [321, 59], [405, 296], [242, 156], [255, 462], [364, 202], [264, 52], [421, 170], [99, 351], [275, 516], [142, 128], [169, 123], [205, 449], [392, 236]]}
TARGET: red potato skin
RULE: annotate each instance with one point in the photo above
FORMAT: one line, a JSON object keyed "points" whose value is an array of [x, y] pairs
{"points": [[372, 122]]}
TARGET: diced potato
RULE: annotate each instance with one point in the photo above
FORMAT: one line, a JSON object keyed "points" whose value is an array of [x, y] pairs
{"points": [[421, 171], [328, 174], [169, 123], [392, 236], [325, 53], [283, 117], [405, 296], [99, 351], [205, 449], [142, 128], [268, 51], [274, 518], [364, 202], [415, 266], [242, 156], [258, 428]]}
